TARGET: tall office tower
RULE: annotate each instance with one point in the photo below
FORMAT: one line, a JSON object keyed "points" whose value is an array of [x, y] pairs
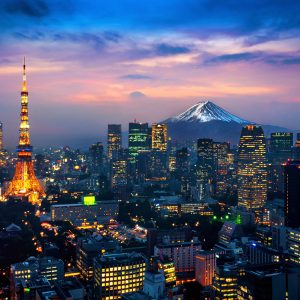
{"points": [[116, 274], [280, 151], [205, 165], [119, 179], [182, 168], [138, 139], [221, 167], [252, 169], [281, 144], [114, 140], [292, 193], [159, 137], [24, 183], [96, 158], [151, 165], [1, 136], [182, 161]]}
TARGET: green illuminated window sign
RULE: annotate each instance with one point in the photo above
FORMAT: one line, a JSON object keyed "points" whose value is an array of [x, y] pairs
{"points": [[89, 200]]}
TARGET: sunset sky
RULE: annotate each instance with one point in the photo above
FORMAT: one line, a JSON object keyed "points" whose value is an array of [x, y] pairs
{"points": [[91, 63]]}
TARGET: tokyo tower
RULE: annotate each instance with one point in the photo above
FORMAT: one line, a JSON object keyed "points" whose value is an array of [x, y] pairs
{"points": [[24, 184]]}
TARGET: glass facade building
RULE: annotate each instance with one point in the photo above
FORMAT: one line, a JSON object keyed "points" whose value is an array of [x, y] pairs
{"points": [[159, 137], [252, 169], [138, 139], [114, 140]]}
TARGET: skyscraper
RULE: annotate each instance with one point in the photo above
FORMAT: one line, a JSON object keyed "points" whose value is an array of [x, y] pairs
{"points": [[96, 158], [204, 166], [252, 169], [1, 136], [159, 137], [281, 144], [114, 140], [138, 139], [221, 167], [24, 183], [280, 151], [292, 193]]}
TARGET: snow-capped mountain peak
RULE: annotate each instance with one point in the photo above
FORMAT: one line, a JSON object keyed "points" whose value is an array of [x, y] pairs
{"points": [[206, 111]]}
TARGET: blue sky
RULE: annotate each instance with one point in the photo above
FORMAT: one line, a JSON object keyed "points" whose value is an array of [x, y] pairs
{"points": [[96, 62]]}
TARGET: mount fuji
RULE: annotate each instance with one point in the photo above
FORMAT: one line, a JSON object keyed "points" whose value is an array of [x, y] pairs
{"points": [[208, 120]]}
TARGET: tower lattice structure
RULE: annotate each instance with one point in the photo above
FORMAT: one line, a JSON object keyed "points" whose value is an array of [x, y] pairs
{"points": [[24, 183]]}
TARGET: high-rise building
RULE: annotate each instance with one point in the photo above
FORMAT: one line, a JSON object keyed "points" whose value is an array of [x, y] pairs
{"points": [[205, 267], [1, 136], [280, 151], [151, 165], [24, 184], [281, 144], [292, 193], [114, 140], [205, 166], [221, 167], [182, 162], [159, 137], [96, 156], [119, 179], [252, 169], [116, 274], [138, 139]]}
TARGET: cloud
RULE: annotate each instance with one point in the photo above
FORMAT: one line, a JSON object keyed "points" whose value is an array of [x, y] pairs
{"points": [[168, 49], [95, 40], [137, 95], [264, 57], [137, 77], [31, 8]]}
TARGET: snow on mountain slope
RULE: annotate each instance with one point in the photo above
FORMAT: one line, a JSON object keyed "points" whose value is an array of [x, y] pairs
{"points": [[206, 111]]}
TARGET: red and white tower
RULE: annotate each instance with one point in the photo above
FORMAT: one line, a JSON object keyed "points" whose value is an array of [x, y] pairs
{"points": [[24, 184]]}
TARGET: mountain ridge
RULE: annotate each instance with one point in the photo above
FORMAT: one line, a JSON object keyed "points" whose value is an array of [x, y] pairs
{"points": [[205, 119], [205, 111]]}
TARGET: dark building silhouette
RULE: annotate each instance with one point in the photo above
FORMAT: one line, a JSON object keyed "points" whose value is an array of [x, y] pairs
{"points": [[292, 193], [96, 153]]}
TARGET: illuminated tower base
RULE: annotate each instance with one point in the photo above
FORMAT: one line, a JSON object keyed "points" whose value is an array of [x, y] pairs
{"points": [[25, 184]]}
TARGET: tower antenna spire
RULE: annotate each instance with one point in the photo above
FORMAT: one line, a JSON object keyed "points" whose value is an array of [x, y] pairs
{"points": [[24, 76]]}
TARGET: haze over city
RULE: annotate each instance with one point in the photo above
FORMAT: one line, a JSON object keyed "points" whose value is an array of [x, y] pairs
{"points": [[90, 63]]}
